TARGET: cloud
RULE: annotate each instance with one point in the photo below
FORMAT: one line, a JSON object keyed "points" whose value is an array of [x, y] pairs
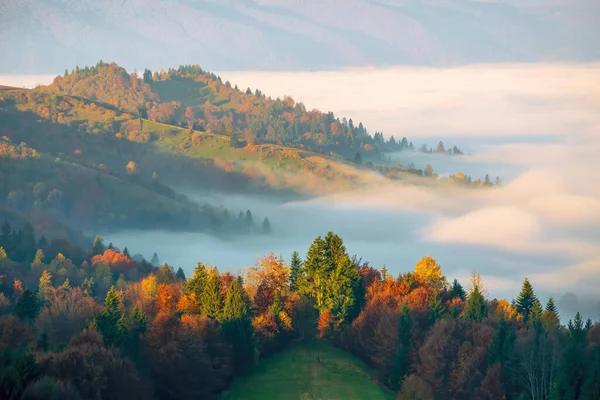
{"points": [[475, 100], [26, 81]]}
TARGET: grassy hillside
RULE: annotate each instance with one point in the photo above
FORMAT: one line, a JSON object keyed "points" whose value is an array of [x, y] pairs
{"points": [[309, 371]]}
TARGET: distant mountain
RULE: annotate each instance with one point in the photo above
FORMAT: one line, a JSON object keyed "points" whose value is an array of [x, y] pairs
{"points": [[42, 36]]}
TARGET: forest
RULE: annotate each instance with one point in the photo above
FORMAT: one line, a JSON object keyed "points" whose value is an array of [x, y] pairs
{"points": [[99, 323]]}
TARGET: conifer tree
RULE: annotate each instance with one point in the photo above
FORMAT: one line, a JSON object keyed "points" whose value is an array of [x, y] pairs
{"points": [[456, 290], [295, 271], [436, 308], [89, 286], [476, 308], [108, 320], [384, 272], [572, 366], [67, 285], [45, 286], [551, 307], [535, 314], [237, 327], [180, 274], [266, 225], [196, 283], [525, 300], [211, 299], [27, 307], [401, 363], [155, 260], [126, 252]]}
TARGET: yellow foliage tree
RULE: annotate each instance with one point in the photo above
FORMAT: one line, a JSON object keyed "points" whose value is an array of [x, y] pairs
{"points": [[149, 286], [429, 273]]}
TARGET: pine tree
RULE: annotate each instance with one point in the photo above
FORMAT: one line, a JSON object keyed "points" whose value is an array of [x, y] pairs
{"points": [[180, 274], [341, 291], [401, 363], [436, 308], [551, 307], [27, 307], [45, 286], [456, 290], [108, 320], [196, 283], [126, 252], [295, 271], [476, 308], [266, 225], [211, 299], [535, 314], [237, 327], [155, 260], [525, 300]]}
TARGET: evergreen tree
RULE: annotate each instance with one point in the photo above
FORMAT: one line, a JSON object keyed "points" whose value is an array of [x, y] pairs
{"points": [[110, 246], [237, 327], [277, 305], [456, 290], [535, 314], [476, 308], [155, 260], [180, 274], [45, 286], [266, 225], [551, 307], [97, 246], [401, 362], [503, 343], [591, 385], [211, 299], [525, 300], [126, 252], [196, 283], [248, 219], [572, 366], [436, 308], [27, 307], [358, 158], [108, 320], [342, 290], [295, 271]]}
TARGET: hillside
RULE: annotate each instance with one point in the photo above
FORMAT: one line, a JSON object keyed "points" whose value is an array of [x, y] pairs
{"points": [[45, 37], [309, 370]]}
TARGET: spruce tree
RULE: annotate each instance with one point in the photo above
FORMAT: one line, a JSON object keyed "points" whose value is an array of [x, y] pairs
{"points": [[211, 299], [27, 307], [401, 362], [155, 260], [266, 225], [535, 315], [196, 283], [436, 308], [476, 308], [384, 272], [456, 290], [525, 300], [126, 252], [295, 271], [551, 307], [45, 286], [237, 327], [180, 274], [108, 320], [572, 366]]}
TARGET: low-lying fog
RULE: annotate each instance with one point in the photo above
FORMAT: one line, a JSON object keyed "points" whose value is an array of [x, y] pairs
{"points": [[536, 126]]}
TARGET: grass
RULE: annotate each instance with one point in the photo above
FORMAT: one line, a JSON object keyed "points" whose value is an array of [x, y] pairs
{"points": [[309, 370]]}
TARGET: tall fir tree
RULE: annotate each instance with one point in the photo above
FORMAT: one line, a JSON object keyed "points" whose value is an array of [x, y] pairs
{"points": [[572, 366], [401, 362], [525, 300], [456, 290], [108, 320], [38, 260], [211, 299], [296, 271], [476, 308], [551, 307], [237, 327]]}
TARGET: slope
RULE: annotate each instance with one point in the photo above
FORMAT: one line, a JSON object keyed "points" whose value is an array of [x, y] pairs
{"points": [[309, 370]]}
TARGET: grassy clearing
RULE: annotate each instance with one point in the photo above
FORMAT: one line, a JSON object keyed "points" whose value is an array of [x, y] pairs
{"points": [[309, 371]]}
